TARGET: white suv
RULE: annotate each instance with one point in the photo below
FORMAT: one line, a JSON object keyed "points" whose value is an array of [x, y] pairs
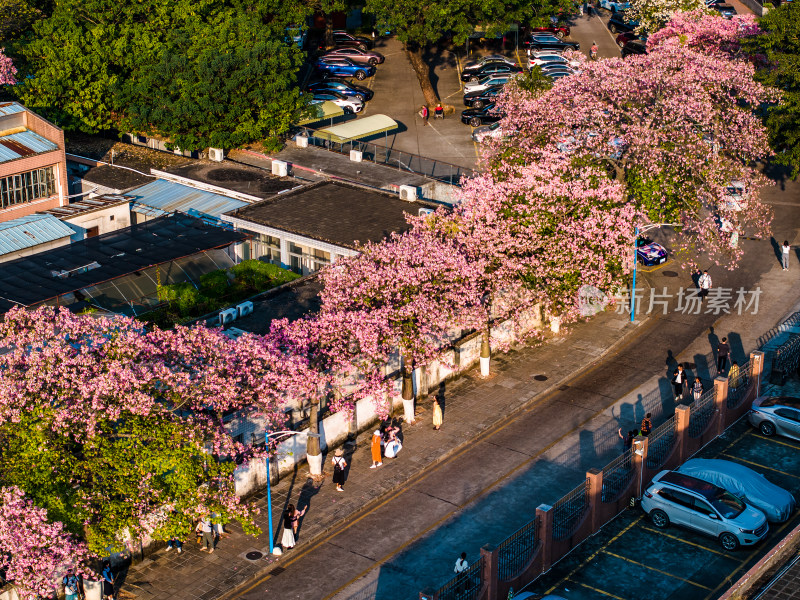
{"points": [[674, 497]]}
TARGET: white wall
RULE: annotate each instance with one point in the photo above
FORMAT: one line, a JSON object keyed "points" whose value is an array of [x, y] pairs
{"points": [[35, 249], [105, 219]]}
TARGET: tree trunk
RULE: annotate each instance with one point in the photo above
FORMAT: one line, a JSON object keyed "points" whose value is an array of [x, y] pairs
{"points": [[328, 31], [408, 392], [313, 452], [486, 352], [414, 53]]}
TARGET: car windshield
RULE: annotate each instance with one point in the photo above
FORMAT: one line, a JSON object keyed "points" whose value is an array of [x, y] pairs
{"points": [[728, 505]]}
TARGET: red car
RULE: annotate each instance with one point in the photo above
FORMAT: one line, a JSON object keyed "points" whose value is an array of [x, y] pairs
{"points": [[560, 31], [625, 37]]}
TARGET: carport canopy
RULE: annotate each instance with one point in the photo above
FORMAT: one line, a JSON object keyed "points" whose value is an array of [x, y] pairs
{"points": [[357, 129], [321, 111]]}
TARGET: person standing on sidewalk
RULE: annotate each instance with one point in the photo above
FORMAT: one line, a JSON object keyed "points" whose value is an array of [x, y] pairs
{"points": [[705, 284], [647, 424], [339, 464], [722, 355], [437, 414], [375, 449], [72, 585], [461, 566], [423, 112], [627, 442], [697, 389], [678, 382], [108, 581], [785, 249], [206, 529]]}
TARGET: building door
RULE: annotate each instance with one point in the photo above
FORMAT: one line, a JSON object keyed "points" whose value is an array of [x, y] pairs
{"points": [[93, 231]]}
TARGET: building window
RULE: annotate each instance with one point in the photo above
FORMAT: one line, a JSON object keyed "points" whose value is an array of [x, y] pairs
{"points": [[304, 260], [27, 187], [93, 231], [266, 248]]}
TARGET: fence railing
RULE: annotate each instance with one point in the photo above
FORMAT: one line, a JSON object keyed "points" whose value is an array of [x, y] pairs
{"points": [[402, 161], [660, 443], [465, 585], [702, 412], [617, 475], [569, 510], [515, 551], [739, 384], [787, 357]]}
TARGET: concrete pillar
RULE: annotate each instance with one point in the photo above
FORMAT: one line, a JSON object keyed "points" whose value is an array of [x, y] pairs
{"points": [[286, 262], [544, 514], [757, 369], [682, 431], [595, 478], [721, 402], [429, 594], [640, 446], [489, 571]]}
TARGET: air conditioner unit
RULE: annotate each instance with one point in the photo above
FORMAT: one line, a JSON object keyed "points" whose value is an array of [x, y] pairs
{"points": [[302, 141], [422, 212], [227, 316], [408, 192], [244, 309], [356, 155], [280, 168], [216, 154]]}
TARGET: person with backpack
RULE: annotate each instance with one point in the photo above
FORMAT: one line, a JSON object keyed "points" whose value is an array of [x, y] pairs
{"points": [[697, 389], [461, 566], [339, 464], [647, 424], [72, 585]]}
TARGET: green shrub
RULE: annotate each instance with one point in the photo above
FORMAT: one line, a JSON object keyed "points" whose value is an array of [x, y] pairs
{"points": [[215, 284], [258, 276]]}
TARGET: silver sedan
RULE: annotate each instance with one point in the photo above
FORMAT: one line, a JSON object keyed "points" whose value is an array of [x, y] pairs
{"points": [[776, 414]]}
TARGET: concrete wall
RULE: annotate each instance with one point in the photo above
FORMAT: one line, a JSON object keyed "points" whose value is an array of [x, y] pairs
{"points": [[105, 219], [35, 249], [756, 7]]}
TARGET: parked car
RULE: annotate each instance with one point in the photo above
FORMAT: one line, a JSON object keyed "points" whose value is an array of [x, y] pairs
{"points": [[481, 98], [358, 56], [726, 10], [625, 37], [489, 68], [619, 23], [546, 58], [735, 194], [634, 48], [480, 116], [343, 67], [485, 132], [342, 38], [343, 87], [614, 5], [776, 414], [744, 483], [297, 36], [489, 81], [548, 42], [677, 498], [560, 31], [649, 252], [555, 67], [349, 105]]}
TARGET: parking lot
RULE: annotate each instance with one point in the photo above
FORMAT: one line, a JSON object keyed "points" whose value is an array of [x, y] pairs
{"points": [[630, 559]]}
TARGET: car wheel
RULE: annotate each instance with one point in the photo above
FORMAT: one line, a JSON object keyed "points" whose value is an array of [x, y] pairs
{"points": [[612, 28], [475, 121], [729, 541], [766, 428], [360, 97], [372, 62], [621, 44], [361, 75], [347, 110], [478, 104], [659, 518], [473, 79], [560, 35]]}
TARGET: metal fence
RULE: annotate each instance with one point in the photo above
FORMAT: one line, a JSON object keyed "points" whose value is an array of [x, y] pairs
{"points": [[702, 412], [660, 443], [464, 586], [738, 385], [568, 511], [787, 357], [402, 161], [516, 550], [617, 475]]}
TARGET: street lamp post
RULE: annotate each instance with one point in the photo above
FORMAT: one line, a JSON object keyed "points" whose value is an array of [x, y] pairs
{"points": [[269, 485], [637, 231]]}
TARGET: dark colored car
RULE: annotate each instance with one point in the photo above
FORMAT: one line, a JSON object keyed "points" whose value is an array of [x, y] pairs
{"points": [[649, 253], [342, 38], [490, 68], [350, 90], [357, 55], [625, 37], [343, 67], [726, 10], [483, 97], [480, 116], [549, 42], [634, 47], [618, 23], [560, 31]]}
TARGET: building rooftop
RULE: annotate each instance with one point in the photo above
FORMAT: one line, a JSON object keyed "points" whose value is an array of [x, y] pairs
{"points": [[45, 276], [163, 197], [10, 108], [336, 212], [113, 177], [32, 230], [87, 205], [21, 143], [236, 177]]}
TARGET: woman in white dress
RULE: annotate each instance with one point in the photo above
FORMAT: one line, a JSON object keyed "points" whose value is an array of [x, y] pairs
{"points": [[393, 445], [290, 517]]}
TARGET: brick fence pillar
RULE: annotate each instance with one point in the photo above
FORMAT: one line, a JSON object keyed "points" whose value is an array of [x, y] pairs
{"points": [[595, 478], [682, 431], [757, 365], [721, 402], [544, 514], [489, 571]]}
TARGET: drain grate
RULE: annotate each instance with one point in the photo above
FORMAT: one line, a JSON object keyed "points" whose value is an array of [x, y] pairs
{"points": [[540, 377], [669, 273], [277, 571], [254, 555]]}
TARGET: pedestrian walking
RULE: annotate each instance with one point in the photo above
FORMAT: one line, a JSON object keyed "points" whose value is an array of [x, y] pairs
{"points": [[72, 585], [678, 382], [705, 284], [460, 569], [437, 414], [593, 51], [375, 449], [287, 539], [647, 424], [206, 529], [627, 441], [339, 464], [697, 389], [785, 249], [722, 355], [174, 543], [423, 112], [108, 581], [393, 445]]}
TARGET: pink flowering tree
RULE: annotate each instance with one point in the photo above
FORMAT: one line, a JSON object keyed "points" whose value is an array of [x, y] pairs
{"points": [[33, 551], [7, 70], [704, 32], [675, 127]]}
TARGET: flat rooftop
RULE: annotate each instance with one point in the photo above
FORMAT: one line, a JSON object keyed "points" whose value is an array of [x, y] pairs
{"points": [[87, 205], [114, 177], [236, 177], [336, 212]]}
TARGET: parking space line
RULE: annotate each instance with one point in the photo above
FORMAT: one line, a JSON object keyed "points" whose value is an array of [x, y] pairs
{"points": [[458, 72], [676, 538], [519, 60], [659, 571], [755, 464], [595, 553], [594, 589], [745, 433], [781, 442]]}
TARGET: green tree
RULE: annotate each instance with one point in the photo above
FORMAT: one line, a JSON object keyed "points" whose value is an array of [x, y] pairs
{"points": [[779, 46], [16, 19]]}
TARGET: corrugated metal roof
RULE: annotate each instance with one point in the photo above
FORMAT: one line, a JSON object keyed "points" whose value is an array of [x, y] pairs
{"points": [[30, 231], [163, 197], [9, 108], [24, 143]]}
